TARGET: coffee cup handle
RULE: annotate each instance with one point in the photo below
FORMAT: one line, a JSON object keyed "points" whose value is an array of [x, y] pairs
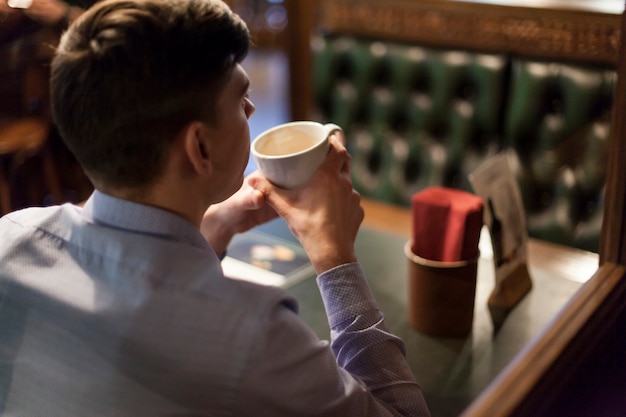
{"points": [[332, 128]]}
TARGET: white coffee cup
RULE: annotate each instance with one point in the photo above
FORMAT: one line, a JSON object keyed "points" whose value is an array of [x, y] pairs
{"points": [[289, 154]]}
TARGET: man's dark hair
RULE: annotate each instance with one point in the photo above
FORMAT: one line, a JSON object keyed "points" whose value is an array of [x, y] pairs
{"points": [[129, 74]]}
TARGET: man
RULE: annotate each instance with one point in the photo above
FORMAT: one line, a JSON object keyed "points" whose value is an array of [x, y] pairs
{"points": [[121, 307]]}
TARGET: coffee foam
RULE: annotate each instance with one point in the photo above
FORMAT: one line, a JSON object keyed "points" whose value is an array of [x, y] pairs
{"points": [[286, 142]]}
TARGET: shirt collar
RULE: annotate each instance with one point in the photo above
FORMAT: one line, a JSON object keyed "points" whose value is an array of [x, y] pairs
{"points": [[127, 215]]}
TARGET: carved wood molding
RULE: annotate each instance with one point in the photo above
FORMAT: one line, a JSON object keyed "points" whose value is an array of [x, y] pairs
{"points": [[543, 33], [613, 239]]}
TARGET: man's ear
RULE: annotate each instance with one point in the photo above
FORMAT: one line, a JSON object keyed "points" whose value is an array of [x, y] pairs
{"points": [[197, 147]]}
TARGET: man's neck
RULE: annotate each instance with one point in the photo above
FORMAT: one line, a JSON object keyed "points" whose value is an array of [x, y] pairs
{"points": [[170, 198]]}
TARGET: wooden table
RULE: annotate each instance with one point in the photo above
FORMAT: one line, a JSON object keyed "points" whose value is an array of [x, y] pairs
{"points": [[451, 371]]}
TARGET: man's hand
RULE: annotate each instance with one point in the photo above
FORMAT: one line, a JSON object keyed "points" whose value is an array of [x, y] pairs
{"points": [[325, 214], [244, 210]]}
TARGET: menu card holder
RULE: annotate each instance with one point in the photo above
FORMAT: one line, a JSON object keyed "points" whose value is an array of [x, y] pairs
{"points": [[495, 182]]}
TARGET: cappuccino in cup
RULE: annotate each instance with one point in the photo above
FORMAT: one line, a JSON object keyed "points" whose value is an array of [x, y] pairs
{"points": [[290, 153]]}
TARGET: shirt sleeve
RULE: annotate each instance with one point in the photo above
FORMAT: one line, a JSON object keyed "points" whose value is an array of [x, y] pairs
{"points": [[362, 372]]}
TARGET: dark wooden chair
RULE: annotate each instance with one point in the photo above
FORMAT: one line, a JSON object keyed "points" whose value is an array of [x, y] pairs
{"points": [[27, 168]]}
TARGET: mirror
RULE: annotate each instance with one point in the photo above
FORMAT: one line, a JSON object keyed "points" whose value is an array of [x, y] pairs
{"points": [[464, 376]]}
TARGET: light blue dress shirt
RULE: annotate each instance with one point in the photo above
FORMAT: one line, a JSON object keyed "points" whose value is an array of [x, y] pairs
{"points": [[120, 309]]}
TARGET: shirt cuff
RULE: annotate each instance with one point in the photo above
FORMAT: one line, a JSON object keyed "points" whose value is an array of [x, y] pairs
{"points": [[346, 294]]}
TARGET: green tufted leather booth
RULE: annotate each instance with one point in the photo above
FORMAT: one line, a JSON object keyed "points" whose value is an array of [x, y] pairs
{"points": [[419, 116]]}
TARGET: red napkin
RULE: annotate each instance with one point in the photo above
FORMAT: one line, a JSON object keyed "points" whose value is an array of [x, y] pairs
{"points": [[446, 224]]}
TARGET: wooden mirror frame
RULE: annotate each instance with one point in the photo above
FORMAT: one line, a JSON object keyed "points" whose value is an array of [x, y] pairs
{"points": [[561, 348], [541, 369]]}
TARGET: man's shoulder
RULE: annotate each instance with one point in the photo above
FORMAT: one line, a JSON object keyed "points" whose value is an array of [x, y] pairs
{"points": [[33, 216], [170, 265]]}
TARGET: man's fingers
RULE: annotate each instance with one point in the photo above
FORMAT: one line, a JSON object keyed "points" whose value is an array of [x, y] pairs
{"points": [[339, 136], [338, 156], [267, 190]]}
